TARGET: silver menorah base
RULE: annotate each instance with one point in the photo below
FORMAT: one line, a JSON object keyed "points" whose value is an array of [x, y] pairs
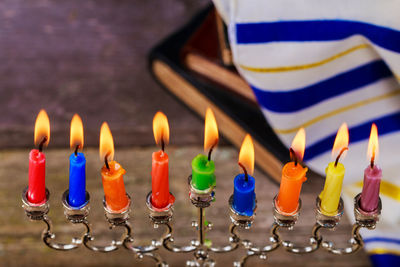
{"points": [[200, 248]]}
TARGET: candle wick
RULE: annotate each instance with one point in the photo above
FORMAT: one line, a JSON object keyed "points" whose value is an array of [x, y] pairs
{"points": [[340, 154], [76, 150], [372, 160], [209, 153], [246, 176], [41, 144], [211, 149], [162, 143], [106, 161], [293, 156]]}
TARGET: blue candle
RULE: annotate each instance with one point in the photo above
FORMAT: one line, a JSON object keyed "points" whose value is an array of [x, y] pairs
{"points": [[77, 180], [244, 197]]}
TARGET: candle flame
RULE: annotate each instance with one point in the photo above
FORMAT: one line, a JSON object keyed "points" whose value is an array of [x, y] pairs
{"points": [[210, 130], [373, 144], [161, 128], [106, 143], [76, 132], [341, 141], [299, 144], [42, 128], [246, 154]]}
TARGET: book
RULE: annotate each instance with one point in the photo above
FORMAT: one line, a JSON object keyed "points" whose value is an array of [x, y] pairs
{"points": [[235, 115], [208, 54], [223, 40]]}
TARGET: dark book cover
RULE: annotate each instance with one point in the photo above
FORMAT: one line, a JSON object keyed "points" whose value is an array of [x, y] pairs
{"points": [[202, 54]]}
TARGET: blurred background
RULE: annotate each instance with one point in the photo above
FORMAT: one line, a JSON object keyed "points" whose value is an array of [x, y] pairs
{"points": [[90, 57]]}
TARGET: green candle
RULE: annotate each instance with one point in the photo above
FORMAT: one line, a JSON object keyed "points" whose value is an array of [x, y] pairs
{"points": [[203, 167], [203, 176]]}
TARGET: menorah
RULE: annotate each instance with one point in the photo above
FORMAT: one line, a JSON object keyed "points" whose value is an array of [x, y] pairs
{"points": [[242, 204], [201, 250]]}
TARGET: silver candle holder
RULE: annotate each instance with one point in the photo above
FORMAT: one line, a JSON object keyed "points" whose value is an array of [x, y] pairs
{"points": [[201, 199]]}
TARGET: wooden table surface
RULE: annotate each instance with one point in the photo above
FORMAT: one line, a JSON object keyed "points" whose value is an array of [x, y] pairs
{"points": [[20, 238]]}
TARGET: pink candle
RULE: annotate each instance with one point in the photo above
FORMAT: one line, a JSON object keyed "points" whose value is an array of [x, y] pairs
{"points": [[372, 175], [370, 192]]}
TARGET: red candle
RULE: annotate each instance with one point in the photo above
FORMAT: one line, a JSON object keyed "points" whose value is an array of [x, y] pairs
{"points": [[160, 196], [37, 186], [37, 160], [159, 180]]}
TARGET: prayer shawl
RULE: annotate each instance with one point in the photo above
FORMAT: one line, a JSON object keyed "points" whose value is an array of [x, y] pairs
{"points": [[316, 64]]}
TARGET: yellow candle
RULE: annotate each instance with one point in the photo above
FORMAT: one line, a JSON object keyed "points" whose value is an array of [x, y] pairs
{"points": [[330, 195]]}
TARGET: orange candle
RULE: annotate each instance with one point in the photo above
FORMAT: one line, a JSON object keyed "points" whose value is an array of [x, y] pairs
{"points": [[293, 176], [160, 196], [112, 173]]}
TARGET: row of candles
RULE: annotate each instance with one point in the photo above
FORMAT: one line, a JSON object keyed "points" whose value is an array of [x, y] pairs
{"points": [[203, 170]]}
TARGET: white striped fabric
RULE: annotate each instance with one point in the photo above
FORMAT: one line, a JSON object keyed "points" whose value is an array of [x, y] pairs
{"points": [[316, 64]]}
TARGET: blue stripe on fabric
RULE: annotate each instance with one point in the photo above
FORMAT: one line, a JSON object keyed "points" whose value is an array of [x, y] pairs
{"points": [[316, 30], [385, 260], [386, 125], [297, 99], [382, 239]]}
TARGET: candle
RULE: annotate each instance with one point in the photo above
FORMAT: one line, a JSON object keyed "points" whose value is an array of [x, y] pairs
{"points": [[77, 165], [203, 176], [372, 175], [160, 196], [244, 197], [203, 167], [293, 176], [330, 195], [37, 160], [112, 173]]}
